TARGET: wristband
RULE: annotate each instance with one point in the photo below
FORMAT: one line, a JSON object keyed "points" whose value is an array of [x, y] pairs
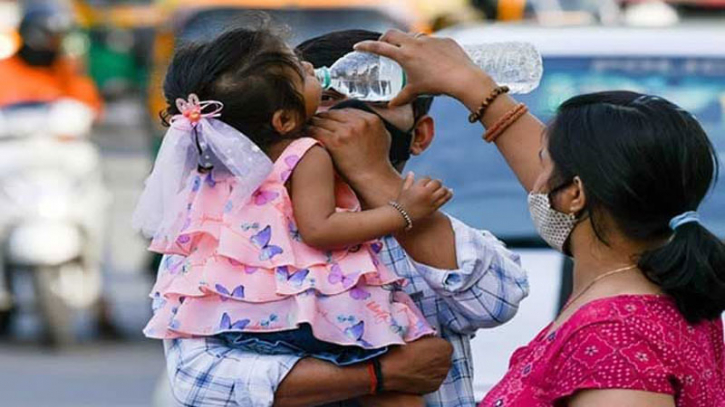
{"points": [[379, 388]]}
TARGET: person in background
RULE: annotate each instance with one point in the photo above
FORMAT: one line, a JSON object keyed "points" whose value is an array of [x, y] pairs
{"points": [[39, 72], [462, 279]]}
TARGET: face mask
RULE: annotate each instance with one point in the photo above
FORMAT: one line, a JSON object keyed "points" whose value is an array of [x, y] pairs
{"points": [[553, 226], [400, 140], [35, 57]]}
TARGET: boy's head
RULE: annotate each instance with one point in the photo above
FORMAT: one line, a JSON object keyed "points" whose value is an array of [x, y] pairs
{"points": [[268, 94], [413, 118]]}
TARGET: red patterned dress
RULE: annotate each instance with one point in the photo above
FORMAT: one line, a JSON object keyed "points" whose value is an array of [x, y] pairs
{"points": [[633, 342]]}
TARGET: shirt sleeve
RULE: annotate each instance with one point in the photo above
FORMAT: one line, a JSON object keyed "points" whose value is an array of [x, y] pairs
{"points": [[609, 355], [206, 372], [487, 287]]}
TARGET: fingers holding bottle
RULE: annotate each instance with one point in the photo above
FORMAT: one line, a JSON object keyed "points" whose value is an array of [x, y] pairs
{"points": [[433, 65]]}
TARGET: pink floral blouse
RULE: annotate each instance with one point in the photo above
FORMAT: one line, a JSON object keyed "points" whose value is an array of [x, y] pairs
{"points": [[635, 342]]}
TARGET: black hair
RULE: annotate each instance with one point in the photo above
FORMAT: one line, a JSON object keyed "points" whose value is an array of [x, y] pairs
{"points": [[643, 160], [326, 49], [249, 70]]}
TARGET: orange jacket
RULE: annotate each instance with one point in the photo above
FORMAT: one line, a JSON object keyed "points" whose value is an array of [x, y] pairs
{"points": [[21, 82]]}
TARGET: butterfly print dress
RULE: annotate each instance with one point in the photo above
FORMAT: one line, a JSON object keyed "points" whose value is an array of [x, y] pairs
{"points": [[242, 267]]}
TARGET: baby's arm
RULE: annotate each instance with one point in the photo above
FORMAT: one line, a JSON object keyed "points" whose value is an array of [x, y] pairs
{"points": [[312, 190]]}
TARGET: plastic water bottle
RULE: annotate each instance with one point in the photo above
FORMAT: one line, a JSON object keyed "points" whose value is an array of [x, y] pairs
{"points": [[373, 78]]}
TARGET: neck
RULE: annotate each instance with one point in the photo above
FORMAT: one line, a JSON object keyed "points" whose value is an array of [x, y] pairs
{"points": [[593, 258], [275, 150], [595, 264]]}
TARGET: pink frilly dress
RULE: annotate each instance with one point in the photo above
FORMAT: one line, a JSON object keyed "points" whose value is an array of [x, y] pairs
{"points": [[242, 267]]}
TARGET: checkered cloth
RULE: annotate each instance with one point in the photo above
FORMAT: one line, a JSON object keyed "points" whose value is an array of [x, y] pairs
{"points": [[483, 292]]}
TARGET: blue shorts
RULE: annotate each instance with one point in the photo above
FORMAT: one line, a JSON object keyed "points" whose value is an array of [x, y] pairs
{"points": [[299, 342]]}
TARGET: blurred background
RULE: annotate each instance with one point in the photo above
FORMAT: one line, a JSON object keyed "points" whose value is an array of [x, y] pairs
{"points": [[74, 277]]}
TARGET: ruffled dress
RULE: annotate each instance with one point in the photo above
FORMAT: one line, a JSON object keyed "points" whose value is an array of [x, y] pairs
{"points": [[242, 267]]}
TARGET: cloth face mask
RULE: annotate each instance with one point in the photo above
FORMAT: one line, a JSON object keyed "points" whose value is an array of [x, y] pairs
{"points": [[553, 226]]}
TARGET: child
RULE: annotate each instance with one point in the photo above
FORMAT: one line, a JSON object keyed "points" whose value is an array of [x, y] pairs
{"points": [[271, 257]]}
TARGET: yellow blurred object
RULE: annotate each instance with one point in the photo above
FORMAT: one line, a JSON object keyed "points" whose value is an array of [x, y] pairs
{"points": [[118, 15], [9, 44], [511, 10]]}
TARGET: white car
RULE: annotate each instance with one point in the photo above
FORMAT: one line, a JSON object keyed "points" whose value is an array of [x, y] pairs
{"points": [[685, 64]]}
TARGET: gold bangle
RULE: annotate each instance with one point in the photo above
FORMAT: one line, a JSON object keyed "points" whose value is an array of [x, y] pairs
{"points": [[404, 214]]}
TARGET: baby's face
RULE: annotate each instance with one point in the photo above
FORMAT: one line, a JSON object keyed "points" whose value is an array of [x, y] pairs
{"points": [[311, 89]]}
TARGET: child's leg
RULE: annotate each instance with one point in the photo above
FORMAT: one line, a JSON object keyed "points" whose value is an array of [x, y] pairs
{"points": [[392, 400]]}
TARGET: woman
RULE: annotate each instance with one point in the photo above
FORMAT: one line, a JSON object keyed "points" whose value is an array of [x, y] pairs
{"points": [[616, 180]]}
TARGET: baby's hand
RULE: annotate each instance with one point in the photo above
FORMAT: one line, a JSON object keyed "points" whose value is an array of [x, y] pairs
{"points": [[423, 197]]}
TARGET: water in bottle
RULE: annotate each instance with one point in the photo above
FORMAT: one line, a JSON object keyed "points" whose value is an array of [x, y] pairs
{"points": [[371, 77]]}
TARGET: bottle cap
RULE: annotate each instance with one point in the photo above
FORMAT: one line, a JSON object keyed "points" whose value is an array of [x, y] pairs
{"points": [[323, 75]]}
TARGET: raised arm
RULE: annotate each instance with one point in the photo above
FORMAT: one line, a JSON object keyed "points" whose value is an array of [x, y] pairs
{"points": [[321, 226], [360, 147], [440, 66]]}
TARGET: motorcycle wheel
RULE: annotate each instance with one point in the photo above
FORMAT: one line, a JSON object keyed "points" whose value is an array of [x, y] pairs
{"points": [[6, 322], [7, 316], [56, 315]]}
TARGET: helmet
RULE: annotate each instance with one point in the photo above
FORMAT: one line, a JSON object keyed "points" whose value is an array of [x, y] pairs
{"points": [[43, 27]]}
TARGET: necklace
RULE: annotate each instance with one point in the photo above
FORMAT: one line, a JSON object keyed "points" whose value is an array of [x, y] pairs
{"points": [[600, 277]]}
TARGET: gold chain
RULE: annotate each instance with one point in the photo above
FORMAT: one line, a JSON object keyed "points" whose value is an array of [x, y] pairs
{"points": [[607, 274]]}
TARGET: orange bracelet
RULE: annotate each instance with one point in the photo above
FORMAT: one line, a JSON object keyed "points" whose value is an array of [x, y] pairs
{"points": [[373, 378], [505, 122]]}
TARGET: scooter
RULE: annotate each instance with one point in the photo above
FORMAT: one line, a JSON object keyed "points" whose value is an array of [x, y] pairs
{"points": [[53, 204]]}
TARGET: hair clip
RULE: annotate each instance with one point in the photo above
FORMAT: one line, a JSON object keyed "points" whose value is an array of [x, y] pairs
{"points": [[193, 109]]}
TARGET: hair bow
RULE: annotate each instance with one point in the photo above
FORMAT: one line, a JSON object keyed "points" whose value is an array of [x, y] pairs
{"points": [[194, 133], [193, 109]]}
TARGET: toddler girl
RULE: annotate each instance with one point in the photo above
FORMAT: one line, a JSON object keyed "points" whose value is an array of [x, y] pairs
{"points": [[264, 245]]}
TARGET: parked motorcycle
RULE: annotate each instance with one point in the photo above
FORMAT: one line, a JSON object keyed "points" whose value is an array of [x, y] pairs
{"points": [[52, 212]]}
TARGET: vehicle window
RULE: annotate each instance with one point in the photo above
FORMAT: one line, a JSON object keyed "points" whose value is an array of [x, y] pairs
{"points": [[487, 194], [303, 23]]}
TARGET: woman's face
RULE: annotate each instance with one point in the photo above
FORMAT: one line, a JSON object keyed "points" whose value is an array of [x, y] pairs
{"points": [[547, 169], [564, 198]]}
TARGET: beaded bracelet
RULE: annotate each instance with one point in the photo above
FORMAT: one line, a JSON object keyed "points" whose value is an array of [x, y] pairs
{"points": [[496, 92], [505, 122], [404, 213]]}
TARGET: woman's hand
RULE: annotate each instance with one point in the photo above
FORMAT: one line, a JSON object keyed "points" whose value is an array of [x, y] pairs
{"points": [[433, 65]]}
